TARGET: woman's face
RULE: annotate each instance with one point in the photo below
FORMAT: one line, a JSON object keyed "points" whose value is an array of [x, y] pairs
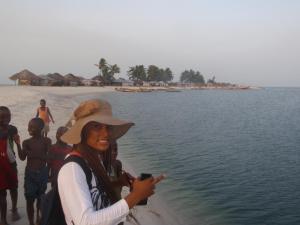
{"points": [[98, 136]]}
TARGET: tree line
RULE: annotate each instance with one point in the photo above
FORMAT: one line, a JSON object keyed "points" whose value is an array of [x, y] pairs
{"points": [[139, 74]]}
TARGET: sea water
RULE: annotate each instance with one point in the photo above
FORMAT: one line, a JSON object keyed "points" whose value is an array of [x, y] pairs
{"points": [[231, 157]]}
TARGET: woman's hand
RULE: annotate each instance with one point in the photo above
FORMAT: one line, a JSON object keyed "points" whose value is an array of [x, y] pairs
{"points": [[142, 189], [126, 179]]}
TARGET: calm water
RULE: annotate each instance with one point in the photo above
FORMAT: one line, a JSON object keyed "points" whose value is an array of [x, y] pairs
{"points": [[232, 157]]}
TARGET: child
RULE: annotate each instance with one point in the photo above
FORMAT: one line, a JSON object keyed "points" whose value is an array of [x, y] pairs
{"points": [[44, 113], [8, 165], [35, 149], [56, 155]]}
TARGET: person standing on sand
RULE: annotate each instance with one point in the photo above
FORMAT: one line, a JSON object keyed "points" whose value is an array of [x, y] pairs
{"points": [[44, 113], [96, 203], [57, 154], [8, 165], [35, 149]]}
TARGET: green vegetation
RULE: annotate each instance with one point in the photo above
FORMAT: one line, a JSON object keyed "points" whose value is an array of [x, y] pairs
{"points": [[139, 74], [107, 71], [212, 80], [192, 77]]}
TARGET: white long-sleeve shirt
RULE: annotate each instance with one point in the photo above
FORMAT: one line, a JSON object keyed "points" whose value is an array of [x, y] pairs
{"points": [[77, 202]]}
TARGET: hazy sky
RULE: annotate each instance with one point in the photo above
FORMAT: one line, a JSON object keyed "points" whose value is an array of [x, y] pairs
{"points": [[254, 42]]}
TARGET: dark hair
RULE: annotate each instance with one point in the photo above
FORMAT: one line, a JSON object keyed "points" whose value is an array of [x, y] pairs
{"points": [[43, 100], [107, 156], [39, 122], [62, 128], [93, 158], [4, 108]]}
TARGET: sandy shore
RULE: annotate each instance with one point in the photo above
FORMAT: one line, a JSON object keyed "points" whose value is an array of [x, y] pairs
{"points": [[23, 102]]}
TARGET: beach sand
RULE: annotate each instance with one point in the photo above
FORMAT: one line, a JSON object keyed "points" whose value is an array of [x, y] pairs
{"points": [[23, 102]]}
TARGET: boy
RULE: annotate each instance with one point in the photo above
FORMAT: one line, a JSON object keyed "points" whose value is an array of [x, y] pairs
{"points": [[44, 113], [8, 165], [57, 154], [35, 149]]}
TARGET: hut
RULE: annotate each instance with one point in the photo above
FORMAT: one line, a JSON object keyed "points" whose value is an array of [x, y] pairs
{"points": [[46, 81], [122, 82], [58, 79], [99, 79], [90, 82], [25, 77], [73, 80]]}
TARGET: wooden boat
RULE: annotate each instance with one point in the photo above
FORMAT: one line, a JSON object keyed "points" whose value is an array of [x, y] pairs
{"points": [[172, 90]]}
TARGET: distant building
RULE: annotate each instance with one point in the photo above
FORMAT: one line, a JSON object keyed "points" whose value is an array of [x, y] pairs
{"points": [[58, 79], [122, 82], [26, 77], [90, 82], [73, 80], [99, 79], [154, 84], [46, 81], [145, 83]]}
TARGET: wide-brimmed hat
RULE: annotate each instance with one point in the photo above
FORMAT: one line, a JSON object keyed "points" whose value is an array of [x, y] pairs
{"points": [[96, 110]]}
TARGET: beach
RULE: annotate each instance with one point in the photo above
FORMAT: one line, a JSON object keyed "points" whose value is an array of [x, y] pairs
{"points": [[23, 102]]}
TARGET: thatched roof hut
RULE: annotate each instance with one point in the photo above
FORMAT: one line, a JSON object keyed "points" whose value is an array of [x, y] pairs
{"points": [[26, 77], [99, 78], [59, 80], [73, 80], [81, 78], [56, 76], [46, 81]]}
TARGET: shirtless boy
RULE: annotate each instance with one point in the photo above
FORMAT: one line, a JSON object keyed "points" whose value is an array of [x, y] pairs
{"points": [[35, 149]]}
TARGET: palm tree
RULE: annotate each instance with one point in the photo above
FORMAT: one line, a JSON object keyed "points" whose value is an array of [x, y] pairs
{"points": [[137, 74], [102, 64], [114, 69], [153, 73], [168, 75], [192, 77], [107, 71]]}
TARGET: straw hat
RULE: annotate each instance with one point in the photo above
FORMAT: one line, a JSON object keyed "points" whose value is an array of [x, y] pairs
{"points": [[98, 111]]}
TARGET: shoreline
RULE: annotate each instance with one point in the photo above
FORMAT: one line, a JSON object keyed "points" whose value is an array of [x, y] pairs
{"points": [[23, 101]]}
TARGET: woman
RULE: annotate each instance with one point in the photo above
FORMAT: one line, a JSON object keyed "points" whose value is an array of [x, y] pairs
{"points": [[91, 133]]}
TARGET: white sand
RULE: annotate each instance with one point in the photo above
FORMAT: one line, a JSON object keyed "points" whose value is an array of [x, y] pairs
{"points": [[23, 102]]}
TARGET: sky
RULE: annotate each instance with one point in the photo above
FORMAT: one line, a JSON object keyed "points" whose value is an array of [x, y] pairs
{"points": [[251, 42]]}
